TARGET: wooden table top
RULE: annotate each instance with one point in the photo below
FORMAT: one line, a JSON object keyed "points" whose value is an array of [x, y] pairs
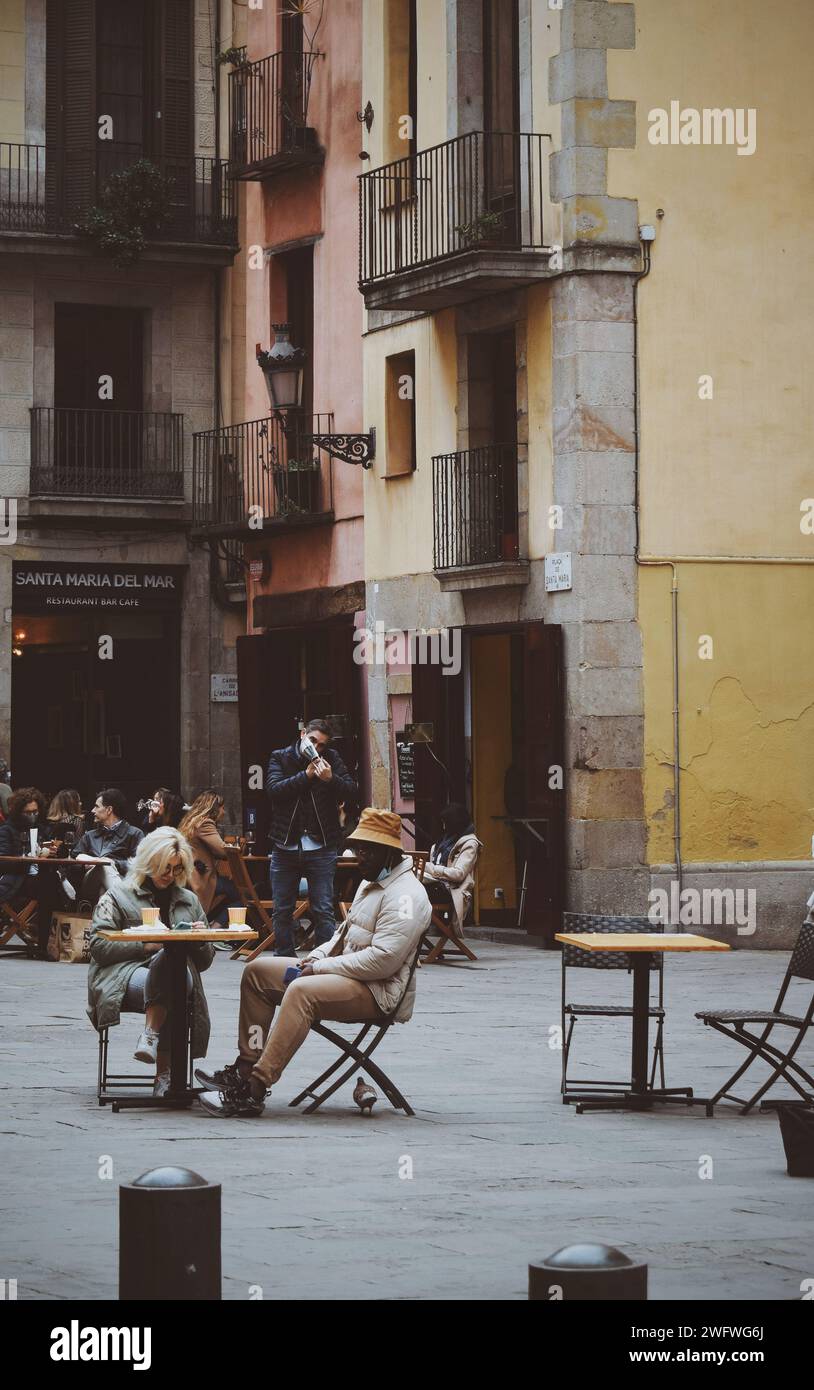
{"points": [[211, 934], [640, 941], [265, 858], [49, 859]]}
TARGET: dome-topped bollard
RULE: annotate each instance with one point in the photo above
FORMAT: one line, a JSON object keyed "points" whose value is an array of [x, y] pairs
{"points": [[588, 1271], [169, 1236]]}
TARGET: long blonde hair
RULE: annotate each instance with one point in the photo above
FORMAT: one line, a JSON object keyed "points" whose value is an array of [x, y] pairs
{"points": [[205, 807], [154, 853]]}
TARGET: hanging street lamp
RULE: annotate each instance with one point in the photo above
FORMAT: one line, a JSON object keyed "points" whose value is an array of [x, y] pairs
{"points": [[283, 367]]}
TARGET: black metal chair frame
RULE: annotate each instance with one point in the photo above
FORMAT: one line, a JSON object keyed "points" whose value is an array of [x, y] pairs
{"points": [[361, 1055], [123, 1081], [574, 958], [731, 1022]]}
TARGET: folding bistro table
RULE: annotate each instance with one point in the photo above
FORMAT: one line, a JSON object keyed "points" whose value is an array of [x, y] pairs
{"points": [[180, 1093], [639, 946]]}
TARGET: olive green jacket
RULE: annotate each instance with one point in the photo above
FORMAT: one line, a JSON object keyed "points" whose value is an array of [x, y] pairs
{"points": [[113, 962]]}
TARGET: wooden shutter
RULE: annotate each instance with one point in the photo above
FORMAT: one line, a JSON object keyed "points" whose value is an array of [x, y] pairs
{"points": [[70, 99], [174, 88], [544, 749]]}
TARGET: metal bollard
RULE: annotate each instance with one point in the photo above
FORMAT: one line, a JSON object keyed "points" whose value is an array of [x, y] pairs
{"points": [[598, 1272], [169, 1236]]}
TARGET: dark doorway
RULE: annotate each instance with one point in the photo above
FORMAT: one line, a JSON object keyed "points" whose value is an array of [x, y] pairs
{"points": [[516, 699], [501, 110], [78, 721], [121, 52], [98, 398], [492, 413], [289, 675], [298, 268]]}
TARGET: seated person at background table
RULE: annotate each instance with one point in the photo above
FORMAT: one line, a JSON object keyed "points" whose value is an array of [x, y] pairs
{"points": [[26, 813], [361, 971], [305, 784], [66, 818], [111, 838], [200, 828], [133, 975], [162, 808], [5, 787], [449, 874]]}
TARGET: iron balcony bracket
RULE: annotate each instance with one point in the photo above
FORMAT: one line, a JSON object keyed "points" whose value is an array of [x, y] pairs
{"points": [[350, 448]]}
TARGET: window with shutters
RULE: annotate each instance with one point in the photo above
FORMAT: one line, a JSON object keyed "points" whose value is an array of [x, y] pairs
{"points": [[119, 85]]}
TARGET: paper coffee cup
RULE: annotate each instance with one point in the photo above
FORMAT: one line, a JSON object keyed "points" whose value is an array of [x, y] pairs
{"points": [[149, 916], [237, 916]]}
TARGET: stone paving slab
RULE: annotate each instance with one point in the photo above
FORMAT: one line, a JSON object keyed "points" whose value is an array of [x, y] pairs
{"points": [[313, 1206]]}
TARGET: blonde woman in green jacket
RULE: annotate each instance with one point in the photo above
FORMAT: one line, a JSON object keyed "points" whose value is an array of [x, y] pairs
{"points": [[133, 975]]}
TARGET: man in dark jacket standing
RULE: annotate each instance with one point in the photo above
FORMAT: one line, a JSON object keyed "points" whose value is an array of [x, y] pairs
{"points": [[305, 792]]}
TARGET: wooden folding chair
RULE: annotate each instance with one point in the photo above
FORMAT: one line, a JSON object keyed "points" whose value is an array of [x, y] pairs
{"points": [[359, 1048], [258, 910], [14, 923], [442, 920]]}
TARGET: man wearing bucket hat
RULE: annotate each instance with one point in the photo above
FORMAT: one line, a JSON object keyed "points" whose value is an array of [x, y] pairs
{"points": [[358, 975]]}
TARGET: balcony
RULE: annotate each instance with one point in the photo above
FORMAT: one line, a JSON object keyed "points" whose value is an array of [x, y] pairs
{"points": [[475, 518], [106, 454], [256, 466], [453, 223], [45, 194], [268, 116]]}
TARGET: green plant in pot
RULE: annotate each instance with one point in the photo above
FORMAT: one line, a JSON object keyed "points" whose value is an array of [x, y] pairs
{"points": [[135, 203], [486, 227], [297, 487]]}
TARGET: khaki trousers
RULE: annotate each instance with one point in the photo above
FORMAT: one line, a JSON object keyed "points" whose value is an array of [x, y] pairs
{"points": [[303, 1002]]}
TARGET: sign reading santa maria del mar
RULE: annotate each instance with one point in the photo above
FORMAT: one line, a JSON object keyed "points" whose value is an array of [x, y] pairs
{"points": [[53, 586]]}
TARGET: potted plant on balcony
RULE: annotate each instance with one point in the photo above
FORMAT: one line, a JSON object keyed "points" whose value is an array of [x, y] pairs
{"points": [[484, 230], [236, 57], [296, 487], [135, 203]]}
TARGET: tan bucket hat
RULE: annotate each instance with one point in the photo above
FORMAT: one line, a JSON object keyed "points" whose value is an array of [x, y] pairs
{"points": [[382, 827]]}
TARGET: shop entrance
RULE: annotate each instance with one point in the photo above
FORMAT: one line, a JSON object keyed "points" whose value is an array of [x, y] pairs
{"points": [[95, 690], [497, 744], [284, 676]]}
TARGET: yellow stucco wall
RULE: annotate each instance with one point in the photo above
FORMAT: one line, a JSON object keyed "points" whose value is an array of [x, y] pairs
{"points": [[12, 70], [730, 294]]}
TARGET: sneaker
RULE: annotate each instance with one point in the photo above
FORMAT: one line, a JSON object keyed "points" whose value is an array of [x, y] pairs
{"points": [[233, 1102], [222, 1079], [147, 1047], [161, 1085]]}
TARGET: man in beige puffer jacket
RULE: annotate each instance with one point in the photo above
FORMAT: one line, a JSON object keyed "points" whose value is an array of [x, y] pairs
{"points": [[362, 973]]}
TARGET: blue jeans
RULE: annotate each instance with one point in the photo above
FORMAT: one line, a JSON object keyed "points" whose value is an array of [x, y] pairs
{"points": [[317, 867], [149, 984]]}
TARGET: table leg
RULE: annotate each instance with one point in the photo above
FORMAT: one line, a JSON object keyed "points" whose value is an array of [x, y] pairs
{"points": [[640, 1042], [179, 1021]]}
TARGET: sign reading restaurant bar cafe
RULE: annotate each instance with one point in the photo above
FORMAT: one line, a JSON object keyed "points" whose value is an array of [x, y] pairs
{"points": [[58, 586]]}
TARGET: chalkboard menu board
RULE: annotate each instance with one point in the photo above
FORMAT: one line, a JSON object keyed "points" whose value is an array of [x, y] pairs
{"points": [[405, 755]]}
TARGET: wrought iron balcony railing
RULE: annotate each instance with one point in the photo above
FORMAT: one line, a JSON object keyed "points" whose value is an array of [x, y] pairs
{"points": [[44, 190], [268, 114], [256, 470], [474, 495], [480, 191], [106, 453]]}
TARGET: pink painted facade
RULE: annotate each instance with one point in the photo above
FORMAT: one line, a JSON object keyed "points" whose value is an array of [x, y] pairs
{"points": [[286, 211]]}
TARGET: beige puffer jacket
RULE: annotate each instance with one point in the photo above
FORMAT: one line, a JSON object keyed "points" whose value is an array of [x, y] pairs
{"points": [[377, 943], [457, 875]]}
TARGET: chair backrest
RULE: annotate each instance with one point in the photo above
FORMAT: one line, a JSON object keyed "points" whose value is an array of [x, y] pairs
{"points": [[574, 958], [240, 876], [802, 957], [419, 858]]}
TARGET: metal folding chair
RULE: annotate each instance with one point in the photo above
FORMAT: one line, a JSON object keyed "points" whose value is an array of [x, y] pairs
{"points": [[731, 1022], [124, 1081], [575, 959], [360, 1049]]}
